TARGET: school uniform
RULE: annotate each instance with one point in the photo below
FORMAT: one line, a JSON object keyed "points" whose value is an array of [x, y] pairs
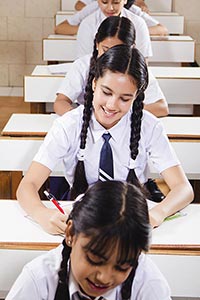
{"points": [[74, 89], [91, 6], [39, 279], [88, 28], [63, 140]]}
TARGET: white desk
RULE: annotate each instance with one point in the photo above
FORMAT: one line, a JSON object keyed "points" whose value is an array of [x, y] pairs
{"points": [[180, 85], [34, 125], [59, 48], [177, 83], [175, 247], [37, 125], [165, 49], [171, 20], [16, 154], [159, 5]]}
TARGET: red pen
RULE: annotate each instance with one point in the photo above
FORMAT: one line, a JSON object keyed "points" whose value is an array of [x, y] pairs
{"points": [[54, 201]]}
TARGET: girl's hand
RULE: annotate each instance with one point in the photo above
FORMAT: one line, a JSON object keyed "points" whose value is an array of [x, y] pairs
{"points": [[53, 221], [156, 217]]}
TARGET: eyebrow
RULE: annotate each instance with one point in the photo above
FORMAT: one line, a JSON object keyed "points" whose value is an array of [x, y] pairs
{"points": [[127, 95]]}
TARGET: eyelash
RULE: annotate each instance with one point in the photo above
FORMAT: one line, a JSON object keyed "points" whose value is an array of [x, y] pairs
{"points": [[109, 94], [118, 268]]}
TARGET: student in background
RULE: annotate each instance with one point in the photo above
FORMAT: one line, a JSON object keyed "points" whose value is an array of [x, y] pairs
{"points": [[112, 31], [91, 23], [113, 107], [100, 256], [70, 26], [80, 4]]}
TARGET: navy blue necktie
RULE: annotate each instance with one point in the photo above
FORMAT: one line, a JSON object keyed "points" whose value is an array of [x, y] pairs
{"points": [[106, 160]]}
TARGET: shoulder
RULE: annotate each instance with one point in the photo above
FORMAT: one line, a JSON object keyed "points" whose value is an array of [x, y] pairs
{"points": [[149, 282], [137, 20], [81, 63]]}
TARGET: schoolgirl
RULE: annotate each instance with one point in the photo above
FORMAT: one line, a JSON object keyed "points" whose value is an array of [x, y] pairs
{"points": [[112, 31], [113, 104], [101, 256]]}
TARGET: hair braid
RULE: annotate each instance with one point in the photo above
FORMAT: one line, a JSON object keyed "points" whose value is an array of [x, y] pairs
{"points": [[80, 183], [136, 120], [127, 285], [62, 291]]}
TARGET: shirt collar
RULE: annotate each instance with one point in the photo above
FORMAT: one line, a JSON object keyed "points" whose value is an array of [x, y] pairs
{"points": [[116, 131], [73, 288]]}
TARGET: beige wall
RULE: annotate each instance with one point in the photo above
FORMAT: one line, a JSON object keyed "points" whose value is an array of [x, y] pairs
{"points": [[24, 23], [190, 9]]}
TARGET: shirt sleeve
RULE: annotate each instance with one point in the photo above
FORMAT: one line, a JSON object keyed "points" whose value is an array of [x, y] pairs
{"points": [[85, 37], [160, 150], [153, 93], [24, 287], [150, 21], [73, 85], [78, 17]]}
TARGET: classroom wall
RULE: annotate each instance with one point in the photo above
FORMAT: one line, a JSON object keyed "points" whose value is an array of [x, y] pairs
{"points": [[190, 10], [24, 23]]}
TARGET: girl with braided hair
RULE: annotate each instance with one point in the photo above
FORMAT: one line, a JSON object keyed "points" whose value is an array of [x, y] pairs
{"points": [[113, 31], [113, 104], [102, 255]]}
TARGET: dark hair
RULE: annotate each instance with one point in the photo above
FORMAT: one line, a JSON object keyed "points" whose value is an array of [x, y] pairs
{"points": [[114, 26], [132, 63], [110, 213], [129, 4]]}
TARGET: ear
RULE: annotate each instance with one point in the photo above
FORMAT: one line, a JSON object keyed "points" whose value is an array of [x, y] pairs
{"points": [[93, 84], [125, 2], [68, 233]]}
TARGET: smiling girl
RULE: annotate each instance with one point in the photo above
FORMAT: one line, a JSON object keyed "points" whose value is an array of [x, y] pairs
{"points": [[101, 256], [113, 104]]}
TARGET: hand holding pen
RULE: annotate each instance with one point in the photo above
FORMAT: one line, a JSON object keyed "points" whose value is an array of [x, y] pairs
{"points": [[54, 201]]}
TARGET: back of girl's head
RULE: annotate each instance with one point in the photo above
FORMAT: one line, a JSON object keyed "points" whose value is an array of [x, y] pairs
{"points": [[125, 60], [115, 26], [113, 213]]}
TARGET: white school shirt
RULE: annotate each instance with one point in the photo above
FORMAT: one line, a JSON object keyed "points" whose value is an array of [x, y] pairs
{"points": [[74, 89], [39, 278], [63, 140], [91, 6], [89, 26]]}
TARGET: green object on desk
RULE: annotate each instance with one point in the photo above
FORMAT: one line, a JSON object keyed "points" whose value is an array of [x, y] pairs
{"points": [[175, 216]]}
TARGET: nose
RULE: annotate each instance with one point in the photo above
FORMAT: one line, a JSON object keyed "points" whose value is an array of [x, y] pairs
{"points": [[104, 275], [110, 6], [111, 103]]}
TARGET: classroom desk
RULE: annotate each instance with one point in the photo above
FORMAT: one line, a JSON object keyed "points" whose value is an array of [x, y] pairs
{"points": [[175, 82], [171, 20], [167, 49], [37, 125], [161, 5], [175, 247]]}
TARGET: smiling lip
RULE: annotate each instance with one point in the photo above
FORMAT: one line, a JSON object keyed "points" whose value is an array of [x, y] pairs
{"points": [[97, 287], [109, 114]]}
